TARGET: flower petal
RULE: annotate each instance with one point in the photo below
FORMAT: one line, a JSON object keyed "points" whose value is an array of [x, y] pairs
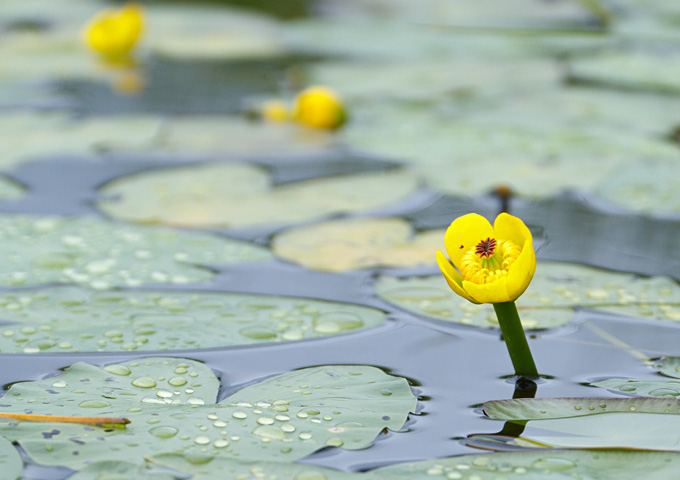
{"points": [[511, 228], [453, 278], [495, 292], [464, 233], [522, 271]]}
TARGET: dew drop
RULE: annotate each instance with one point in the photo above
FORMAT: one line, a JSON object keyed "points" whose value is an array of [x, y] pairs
{"points": [[202, 440], [121, 370], [269, 432], [144, 382], [221, 443], [94, 404], [163, 431], [239, 415], [554, 464]]}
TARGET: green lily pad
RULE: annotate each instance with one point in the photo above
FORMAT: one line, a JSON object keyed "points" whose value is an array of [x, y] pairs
{"points": [[559, 464], [60, 320], [101, 254], [114, 470], [436, 80], [639, 423], [239, 195], [60, 134], [642, 387], [670, 366], [650, 187], [170, 404], [650, 70], [461, 157], [342, 245], [10, 460], [548, 302]]}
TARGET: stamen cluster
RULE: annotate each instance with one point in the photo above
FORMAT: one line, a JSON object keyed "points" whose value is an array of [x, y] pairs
{"points": [[489, 260]]}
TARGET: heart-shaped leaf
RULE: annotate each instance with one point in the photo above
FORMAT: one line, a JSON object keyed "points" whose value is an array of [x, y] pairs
{"points": [[100, 254], [170, 403], [549, 301]]}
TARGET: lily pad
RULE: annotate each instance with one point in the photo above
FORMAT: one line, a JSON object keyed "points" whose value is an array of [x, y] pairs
{"points": [[649, 187], [549, 301], [237, 195], [170, 404], [651, 70], [342, 245], [670, 366], [10, 460], [642, 387], [558, 464], [60, 134], [60, 320], [434, 80], [538, 161], [100, 254], [639, 423]]}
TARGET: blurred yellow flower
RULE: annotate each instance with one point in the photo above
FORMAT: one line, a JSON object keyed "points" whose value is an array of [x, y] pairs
{"points": [[319, 107], [490, 264], [113, 33], [275, 111]]}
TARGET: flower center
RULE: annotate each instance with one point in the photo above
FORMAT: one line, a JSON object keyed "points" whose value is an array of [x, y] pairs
{"points": [[486, 247], [489, 260]]}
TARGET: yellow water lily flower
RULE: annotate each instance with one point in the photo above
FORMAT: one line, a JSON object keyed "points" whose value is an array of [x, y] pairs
{"points": [[113, 33], [275, 111], [490, 264], [319, 107]]}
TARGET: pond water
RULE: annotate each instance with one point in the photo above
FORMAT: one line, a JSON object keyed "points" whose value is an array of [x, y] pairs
{"points": [[152, 181]]}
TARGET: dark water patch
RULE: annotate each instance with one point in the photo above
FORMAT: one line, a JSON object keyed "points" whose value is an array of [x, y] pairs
{"points": [[572, 229], [174, 86]]}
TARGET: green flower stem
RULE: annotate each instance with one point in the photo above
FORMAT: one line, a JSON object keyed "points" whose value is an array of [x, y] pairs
{"points": [[516, 341]]}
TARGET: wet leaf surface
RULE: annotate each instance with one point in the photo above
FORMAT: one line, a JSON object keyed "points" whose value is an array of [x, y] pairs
{"points": [[557, 288], [61, 320], [231, 195], [101, 254], [171, 405], [638, 423], [526, 465], [342, 245]]}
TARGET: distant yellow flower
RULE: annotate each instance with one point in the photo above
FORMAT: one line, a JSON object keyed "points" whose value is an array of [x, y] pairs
{"points": [[319, 107], [113, 33], [492, 264], [275, 111]]}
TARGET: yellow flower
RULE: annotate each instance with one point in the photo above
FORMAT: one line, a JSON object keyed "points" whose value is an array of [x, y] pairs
{"points": [[113, 33], [319, 107], [492, 264], [275, 111]]}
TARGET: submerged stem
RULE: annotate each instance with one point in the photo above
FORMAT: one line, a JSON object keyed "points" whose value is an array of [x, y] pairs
{"points": [[515, 339]]}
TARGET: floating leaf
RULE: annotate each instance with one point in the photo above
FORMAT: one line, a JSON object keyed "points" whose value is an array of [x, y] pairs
{"points": [[556, 289], [101, 254], [169, 402], [639, 423], [536, 161], [60, 320], [113, 470], [10, 460], [358, 243], [434, 80], [61, 134], [636, 69], [670, 366], [650, 187], [558, 464], [642, 387], [239, 195]]}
